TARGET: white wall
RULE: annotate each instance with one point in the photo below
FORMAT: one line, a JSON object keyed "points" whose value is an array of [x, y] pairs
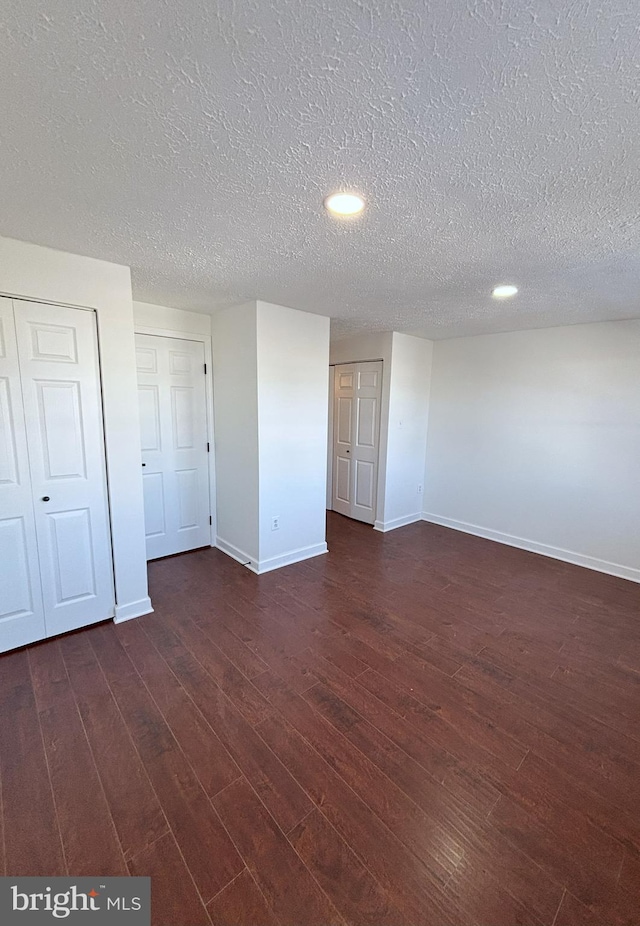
{"points": [[235, 396], [534, 439], [407, 430], [54, 276], [375, 345], [270, 397], [148, 315], [293, 375]]}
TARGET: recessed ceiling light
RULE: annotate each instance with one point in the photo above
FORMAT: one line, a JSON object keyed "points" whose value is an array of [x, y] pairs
{"points": [[503, 292], [345, 204]]}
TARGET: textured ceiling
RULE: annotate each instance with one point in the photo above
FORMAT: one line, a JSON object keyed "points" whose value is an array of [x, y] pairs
{"points": [[195, 140]]}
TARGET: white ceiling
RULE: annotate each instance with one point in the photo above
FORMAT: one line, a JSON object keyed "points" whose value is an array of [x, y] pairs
{"points": [[495, 141]]}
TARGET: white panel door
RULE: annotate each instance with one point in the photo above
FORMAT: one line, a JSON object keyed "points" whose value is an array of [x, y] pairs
{"points": [[356, 423], [58, 354], [173, 430], [21, 610]]}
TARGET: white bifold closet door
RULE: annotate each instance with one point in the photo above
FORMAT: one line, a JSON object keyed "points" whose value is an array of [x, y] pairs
{"points": [[173, 432], [56, 571], [356, 432]]}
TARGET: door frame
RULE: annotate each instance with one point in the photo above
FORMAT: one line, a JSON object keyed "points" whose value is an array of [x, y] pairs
{"points": [[205, 340], [330, 439]]}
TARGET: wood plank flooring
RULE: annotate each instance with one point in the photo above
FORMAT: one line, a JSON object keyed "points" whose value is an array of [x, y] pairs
{"points": [[420, 729]]}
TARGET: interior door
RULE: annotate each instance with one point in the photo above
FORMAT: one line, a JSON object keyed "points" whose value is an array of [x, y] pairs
{"points": [[58, 355], [356, 424], [173, 426], [21, 610]]}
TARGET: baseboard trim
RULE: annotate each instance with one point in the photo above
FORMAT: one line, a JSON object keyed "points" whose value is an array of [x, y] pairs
{"points": [[287, 559], [127, 612], [567, 556], [236, 553], [274, 562], [384, 526]]}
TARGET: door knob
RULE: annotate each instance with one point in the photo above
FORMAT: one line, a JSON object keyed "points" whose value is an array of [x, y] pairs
{"points": [[45, 498]]}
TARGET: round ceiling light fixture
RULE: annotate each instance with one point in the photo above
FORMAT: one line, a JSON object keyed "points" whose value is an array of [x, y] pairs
{"points": [[344, 204], [504, 291]]}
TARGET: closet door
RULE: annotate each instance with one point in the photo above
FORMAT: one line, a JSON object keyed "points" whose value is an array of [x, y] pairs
{"points": [[58, 355], [21, 611]]}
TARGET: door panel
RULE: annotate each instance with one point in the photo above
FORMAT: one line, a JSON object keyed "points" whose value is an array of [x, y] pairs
{"points": [[149, 399], [367, 422], [71, 549], [53, 342], [154, 520], [357, 390], [364, 487], [368, 379], [21, 609], [58, 354], [60, 429], [15, 579], [8, 454], [187, 485], [183, 409], [343, 480], [344, 420], [173, 422]]}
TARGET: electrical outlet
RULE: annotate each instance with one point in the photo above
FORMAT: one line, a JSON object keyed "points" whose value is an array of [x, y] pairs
{"points": [[420, 490], [275, 523]]}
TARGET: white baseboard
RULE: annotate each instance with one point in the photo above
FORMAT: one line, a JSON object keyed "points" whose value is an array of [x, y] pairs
{"points": [[286, 559], [127, 612], [567, 556], [274, 562], [235, 553], [384, 526]]}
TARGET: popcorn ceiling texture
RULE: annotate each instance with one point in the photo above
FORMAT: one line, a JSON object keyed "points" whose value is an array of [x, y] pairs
{"points": [[194, 140]]}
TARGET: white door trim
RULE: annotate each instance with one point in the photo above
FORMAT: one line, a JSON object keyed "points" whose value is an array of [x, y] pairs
{"points": [[63, 305], [204, 339]]}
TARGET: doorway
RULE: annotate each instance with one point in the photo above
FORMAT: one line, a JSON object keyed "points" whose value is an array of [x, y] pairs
{"points": [[357, 389], [174, 441]]}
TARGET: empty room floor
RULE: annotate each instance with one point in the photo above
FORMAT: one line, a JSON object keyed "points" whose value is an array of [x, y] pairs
{"points": [[422, 727]]}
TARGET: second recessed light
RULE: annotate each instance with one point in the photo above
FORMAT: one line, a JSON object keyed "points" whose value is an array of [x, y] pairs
{"points": [[504, 291], [344, 204]]}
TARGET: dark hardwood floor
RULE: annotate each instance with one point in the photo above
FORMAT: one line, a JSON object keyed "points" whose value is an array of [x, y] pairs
{"points": [[420, 729]]}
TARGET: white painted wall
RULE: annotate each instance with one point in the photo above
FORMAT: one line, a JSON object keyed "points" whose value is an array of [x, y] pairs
{"points": [[54, 276], [148, 315], [293, 374], [235, 396], [407, 430], [534, 439], [374, 345], [270, 397]]}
